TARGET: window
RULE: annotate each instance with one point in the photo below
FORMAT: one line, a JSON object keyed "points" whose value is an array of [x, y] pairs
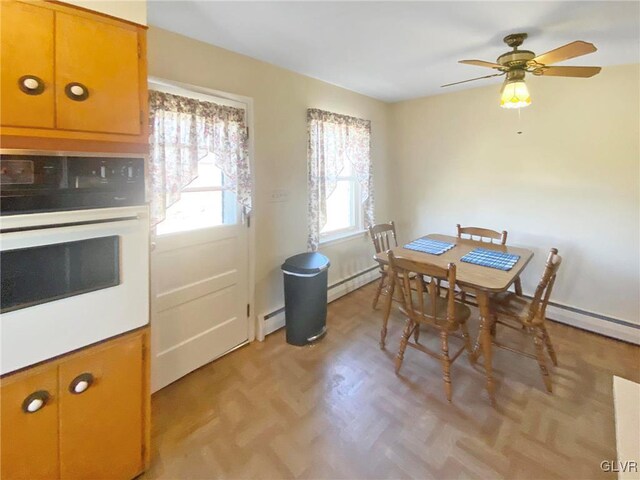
{"points": [[199, 165], [203, 203], [339, 176], [344, 210]]}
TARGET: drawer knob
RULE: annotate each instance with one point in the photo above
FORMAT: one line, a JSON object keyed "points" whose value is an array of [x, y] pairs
{"points": [[31, 85], [81, 383], [76, 91], [35, 401]]}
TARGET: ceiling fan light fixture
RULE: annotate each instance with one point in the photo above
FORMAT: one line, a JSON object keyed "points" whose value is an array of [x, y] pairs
{"points": [[515, 94]]}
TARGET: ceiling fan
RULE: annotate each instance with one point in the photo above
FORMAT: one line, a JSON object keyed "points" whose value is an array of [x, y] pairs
{"points": [[515, 64]]}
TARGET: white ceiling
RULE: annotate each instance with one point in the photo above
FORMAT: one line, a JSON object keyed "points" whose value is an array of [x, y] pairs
{"points": [[399, 50]]}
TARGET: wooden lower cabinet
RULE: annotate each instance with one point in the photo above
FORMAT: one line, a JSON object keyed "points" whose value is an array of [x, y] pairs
{"points": [[29, 439], [95, 421]]}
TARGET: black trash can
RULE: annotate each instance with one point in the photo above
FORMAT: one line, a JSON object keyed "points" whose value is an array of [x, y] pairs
{"points": [[305, 297]]}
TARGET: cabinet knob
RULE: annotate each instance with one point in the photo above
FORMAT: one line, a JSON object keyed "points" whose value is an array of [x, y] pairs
{"points": [[76, 91], [35, 401], [31, 85], [81, 383]]}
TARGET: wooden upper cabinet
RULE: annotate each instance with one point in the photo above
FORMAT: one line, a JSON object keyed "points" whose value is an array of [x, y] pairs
{"points": [[90, 74], [29, 425], [101, 412], [27, 85], [101, 60]]}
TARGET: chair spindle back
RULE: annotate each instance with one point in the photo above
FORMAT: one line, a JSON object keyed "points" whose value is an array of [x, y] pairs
{"points": [[383, 236], [538, 305], [483, 234], [407, 271]]}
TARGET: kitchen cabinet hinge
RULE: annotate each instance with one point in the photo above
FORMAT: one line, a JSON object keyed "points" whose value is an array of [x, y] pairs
{"points": [[248, 310]]}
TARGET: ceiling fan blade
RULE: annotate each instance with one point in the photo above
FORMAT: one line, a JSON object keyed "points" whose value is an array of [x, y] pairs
{"points": [[472, 79], [480, 63], [570, 50], [581, 72]]}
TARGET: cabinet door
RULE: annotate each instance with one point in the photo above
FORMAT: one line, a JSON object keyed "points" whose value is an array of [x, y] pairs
{"points": [[102, 59], [29, 425], [27, 61], [101, 419]]}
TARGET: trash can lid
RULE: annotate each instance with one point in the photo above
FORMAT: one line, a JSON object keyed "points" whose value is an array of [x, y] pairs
{"points": [[312, 262]]}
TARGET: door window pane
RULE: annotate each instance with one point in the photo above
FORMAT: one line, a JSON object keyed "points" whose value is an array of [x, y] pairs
{"points": [[208, 174], [197, 210]]}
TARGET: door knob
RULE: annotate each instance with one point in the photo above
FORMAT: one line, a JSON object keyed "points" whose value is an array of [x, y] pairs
{"points": [[35, 401], [31, 85], [76, 91], [81, 383]]}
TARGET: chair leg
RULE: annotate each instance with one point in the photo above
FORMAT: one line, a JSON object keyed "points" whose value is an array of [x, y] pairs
{"points": [[549, 345], [517, 285], [379, 290], [446, 363], [408, 330], [387, 311], [466, 337], [494, 326], [538, 340]]}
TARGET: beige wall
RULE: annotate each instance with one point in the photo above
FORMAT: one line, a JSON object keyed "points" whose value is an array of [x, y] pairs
{"points": [[281, 99], [570, 180], [132, 10]]}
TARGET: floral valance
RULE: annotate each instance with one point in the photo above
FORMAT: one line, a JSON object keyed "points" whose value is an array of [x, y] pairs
{"points": [[182, 131], [314, 114]]}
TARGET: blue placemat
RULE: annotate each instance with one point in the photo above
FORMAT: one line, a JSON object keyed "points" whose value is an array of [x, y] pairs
{"points": [[427, 245], [491, 258]]}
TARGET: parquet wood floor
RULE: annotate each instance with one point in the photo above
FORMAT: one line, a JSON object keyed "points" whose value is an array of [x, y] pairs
{"points": [[337, 410]]}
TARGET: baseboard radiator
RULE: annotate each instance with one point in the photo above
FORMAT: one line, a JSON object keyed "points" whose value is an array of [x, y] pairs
{"points": [[272, 321], [572, 316]]}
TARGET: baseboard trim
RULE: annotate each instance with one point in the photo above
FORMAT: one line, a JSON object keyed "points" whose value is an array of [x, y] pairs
{"points": [[275, 320], [596, 323], [592, 322], [572, 316]]}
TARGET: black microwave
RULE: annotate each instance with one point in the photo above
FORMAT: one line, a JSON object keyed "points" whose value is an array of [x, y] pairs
{"points": [[46, 183]]}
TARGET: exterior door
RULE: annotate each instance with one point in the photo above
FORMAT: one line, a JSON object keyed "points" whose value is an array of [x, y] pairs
{"points": [[199, 273]]}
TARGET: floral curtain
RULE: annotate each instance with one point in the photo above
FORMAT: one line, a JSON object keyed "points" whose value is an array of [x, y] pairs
{"points": [[182, 131], [335, 140]]}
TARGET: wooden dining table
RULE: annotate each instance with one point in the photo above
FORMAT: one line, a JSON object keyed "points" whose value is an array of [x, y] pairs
{"points": [[476, 279]]}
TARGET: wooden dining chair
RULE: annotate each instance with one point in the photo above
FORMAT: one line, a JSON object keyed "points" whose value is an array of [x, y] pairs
{"points": [[528, 316], [488, 235], [384, 238], [422, 304]]}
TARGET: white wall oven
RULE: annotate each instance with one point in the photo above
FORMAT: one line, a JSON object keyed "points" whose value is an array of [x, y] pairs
{"points": [[74, 240]]}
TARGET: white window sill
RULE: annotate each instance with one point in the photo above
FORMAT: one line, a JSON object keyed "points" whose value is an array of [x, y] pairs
{"points": [[342, 237]]}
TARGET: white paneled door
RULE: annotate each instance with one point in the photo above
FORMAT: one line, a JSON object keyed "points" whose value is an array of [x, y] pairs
{"points": [[200, 297]]}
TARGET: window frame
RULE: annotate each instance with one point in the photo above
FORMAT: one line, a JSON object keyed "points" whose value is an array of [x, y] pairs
{"points": [[357, 212]]}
